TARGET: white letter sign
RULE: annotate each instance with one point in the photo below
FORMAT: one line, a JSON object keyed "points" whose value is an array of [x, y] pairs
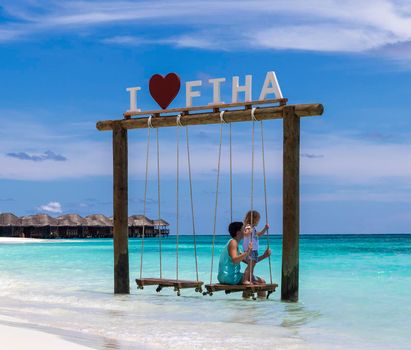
{"points": [[164, 89], [133, 98], [245, 88], [270, 79], [190, 93], [216, 90]]}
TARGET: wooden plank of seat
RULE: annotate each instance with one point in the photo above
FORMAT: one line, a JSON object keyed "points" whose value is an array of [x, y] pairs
{"points": [[232, 288], [166, 282]]}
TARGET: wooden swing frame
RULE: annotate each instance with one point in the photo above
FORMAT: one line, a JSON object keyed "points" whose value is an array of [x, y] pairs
{"points": [[265, 110]]}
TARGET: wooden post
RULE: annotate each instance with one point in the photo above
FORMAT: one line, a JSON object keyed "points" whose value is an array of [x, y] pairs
{"points": [[120, 211], [291, 202]]}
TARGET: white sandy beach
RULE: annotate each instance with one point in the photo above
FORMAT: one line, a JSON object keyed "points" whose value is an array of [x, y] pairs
{"points": [[17, 240], [14, 338], [14, 240]]}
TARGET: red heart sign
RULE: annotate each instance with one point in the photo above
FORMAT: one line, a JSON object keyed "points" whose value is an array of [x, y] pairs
{"points": [[164, 89]]}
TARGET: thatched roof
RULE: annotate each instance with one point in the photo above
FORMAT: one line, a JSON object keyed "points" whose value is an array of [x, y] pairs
{"points": [[161, 222], [38, 220], [9, 219], [98, 220], [71, 220], [139, 220]]}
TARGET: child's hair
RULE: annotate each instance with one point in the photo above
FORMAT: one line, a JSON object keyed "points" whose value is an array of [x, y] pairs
{"points": [[252, 217], [234, 227]]}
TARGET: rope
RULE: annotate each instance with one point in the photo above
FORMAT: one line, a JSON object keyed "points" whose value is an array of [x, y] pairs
{"points": [[216, 196], [145, 197], [231, 166], [192, 203], [231, 178], [177, 190], [252, 179], [159, 204], [265, 197]]}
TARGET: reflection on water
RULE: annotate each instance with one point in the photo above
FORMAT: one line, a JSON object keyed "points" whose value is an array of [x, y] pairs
{"points": [[296, 314], [110, 344]]}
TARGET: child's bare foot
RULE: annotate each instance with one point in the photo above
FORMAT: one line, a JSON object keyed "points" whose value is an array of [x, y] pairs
{"points": [[261, 294], [246, 295], [246, 282]]}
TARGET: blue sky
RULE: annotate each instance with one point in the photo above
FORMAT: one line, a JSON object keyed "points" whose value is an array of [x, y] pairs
{"points": [[65, 65]]}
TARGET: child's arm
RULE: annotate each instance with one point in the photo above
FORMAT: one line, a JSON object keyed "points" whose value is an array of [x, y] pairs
{"points": [[266, 254], [232, 251], [264, 230]]}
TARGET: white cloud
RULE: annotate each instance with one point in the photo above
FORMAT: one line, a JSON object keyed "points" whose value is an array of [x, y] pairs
{"points": [[323, 37], [51, 207], [368, 195], [126, 40], [317, 25], [355, 160]]}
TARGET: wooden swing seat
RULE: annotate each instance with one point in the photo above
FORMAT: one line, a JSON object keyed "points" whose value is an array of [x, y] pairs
{"points": [[232, 288], [166, 282]]}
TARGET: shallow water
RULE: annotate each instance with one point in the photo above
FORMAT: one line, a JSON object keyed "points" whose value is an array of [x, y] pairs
{"points": [[354, 293]]}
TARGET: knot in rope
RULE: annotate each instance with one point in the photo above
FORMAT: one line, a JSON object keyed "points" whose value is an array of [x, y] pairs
{"points": [[178, 120], [149, 122], [222, 117], [253, 115]]}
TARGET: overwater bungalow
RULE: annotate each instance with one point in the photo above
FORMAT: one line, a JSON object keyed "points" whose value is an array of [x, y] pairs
{"points": [[72, 226], [10, 225], [99, 226], [136, 224], [75, 226], [39, 226]]}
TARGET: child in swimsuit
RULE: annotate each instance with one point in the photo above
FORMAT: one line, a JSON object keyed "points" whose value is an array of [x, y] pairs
{"points": [[251, 220]]}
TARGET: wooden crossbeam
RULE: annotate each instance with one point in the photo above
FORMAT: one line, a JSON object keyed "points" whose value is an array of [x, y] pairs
{"points": [[230, 116], [281, 101]]}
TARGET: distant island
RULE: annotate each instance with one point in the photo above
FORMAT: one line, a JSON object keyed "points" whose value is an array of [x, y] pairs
{"points": [[75, 226]]}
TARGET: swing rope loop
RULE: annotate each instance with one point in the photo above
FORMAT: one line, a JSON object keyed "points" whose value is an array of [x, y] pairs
{"points": [[216, 197], [178, 120], [149, 121], [222, 117], [253, 118]]}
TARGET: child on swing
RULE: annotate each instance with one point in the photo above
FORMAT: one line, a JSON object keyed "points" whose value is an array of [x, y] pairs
{"points": [[251, 220]]}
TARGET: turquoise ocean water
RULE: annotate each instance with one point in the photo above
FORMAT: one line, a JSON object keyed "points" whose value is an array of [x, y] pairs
{"points": [[355, 293]]}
